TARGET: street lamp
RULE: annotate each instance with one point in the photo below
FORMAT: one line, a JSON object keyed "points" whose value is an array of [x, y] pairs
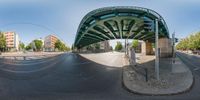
{"points": [[156, 50]]}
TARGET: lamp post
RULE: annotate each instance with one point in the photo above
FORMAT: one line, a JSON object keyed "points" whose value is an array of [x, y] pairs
{"points": [[173, 46], [156, 50]]}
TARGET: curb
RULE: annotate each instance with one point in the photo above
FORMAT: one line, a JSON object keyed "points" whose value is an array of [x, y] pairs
{"points": [[149, 94]]}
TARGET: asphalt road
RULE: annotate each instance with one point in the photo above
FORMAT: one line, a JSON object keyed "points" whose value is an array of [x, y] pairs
{"points": [[73, 77]]}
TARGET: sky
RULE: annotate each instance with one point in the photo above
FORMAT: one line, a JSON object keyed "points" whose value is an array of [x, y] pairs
{"points": [[33, 19]]}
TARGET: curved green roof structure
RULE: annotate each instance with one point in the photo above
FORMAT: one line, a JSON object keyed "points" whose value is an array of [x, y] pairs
{"points": [[120, 22]]}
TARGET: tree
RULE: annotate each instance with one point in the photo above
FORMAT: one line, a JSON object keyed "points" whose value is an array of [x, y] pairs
{"points": [[61, 46], [190, 43], [97, 46], [135, 44], [67, 48], [118, 47], [21, 45], [2, 42], [28, 47], [38, 45]]}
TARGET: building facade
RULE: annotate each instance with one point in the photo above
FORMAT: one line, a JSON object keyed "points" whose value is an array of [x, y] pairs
{"points": [[49, 43], [12, 41], [105, 46]]}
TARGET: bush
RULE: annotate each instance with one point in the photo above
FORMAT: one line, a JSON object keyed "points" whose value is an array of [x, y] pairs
{"points": [[118, 47]]}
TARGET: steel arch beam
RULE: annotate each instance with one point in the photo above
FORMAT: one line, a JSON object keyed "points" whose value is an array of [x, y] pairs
{"points": [[122, 16]]}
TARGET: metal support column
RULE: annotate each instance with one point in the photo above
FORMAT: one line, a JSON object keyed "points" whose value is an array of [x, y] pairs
{"points": [[156, 50]]}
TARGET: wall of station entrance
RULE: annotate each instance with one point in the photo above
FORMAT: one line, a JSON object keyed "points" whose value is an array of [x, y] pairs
{"points": [[164, 45]]}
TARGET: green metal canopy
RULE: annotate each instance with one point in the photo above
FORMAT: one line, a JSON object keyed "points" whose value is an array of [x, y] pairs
{"points": [[121, 22]]}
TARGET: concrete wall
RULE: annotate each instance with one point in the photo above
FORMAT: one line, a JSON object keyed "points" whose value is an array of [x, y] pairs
{"points": [[165, 47], [147, 48], [164, 44]]}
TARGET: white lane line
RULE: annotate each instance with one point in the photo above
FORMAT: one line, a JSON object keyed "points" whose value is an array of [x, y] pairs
{"points": [[11, 63], [40, 69], [36, 70]]}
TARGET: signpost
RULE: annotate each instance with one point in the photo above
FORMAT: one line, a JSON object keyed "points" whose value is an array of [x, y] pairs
{"points": [[156, 50], [173, 46]]}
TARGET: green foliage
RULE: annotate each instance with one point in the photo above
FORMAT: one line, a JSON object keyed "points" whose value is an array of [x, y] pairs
{"points": [[190, 43], [61, 46], [38, 45], [97, 46], [28, 47], [118, 47], [153, 45], [2, 42], [21, 45], [89, 47], [135, 44]]}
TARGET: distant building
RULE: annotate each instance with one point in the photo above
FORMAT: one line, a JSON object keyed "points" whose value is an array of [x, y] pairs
{"points": [[105, 46], [12, 41], [49, 42]]}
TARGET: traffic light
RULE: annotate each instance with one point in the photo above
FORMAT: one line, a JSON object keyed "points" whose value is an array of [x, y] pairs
{"points": [[176, 40]]}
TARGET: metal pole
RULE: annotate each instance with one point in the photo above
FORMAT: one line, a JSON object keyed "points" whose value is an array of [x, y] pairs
{"points": [[125, 47], [156, 51], [173, 43]]}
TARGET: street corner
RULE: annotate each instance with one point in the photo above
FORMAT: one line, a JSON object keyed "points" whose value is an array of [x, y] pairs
{"points": [[171, 82]]}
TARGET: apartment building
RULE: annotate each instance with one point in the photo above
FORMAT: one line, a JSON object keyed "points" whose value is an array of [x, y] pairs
{"points": [[12, 41], [103, 46], [49, 42]]}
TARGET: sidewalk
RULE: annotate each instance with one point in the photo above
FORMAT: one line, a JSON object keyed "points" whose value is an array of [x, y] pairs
{"points": [[112, 59], [174, 78]]}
